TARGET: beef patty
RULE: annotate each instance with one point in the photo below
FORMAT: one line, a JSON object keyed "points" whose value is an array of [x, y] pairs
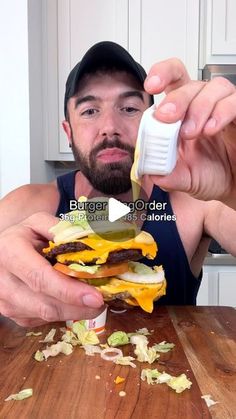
{"points": [[117, 256], [67, 248]]}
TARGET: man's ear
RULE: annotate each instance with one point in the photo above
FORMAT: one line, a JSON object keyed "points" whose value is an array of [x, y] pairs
{"points": [[67, 129]]}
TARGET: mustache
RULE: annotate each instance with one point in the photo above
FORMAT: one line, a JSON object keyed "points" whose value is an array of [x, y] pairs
{"points": [[114, 142]]}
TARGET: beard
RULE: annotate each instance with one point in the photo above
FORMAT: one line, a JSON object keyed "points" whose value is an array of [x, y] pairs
{"points": [[108, 178]]}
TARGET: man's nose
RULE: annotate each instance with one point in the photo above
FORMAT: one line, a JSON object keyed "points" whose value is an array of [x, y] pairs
{"points": [[110, 124]]}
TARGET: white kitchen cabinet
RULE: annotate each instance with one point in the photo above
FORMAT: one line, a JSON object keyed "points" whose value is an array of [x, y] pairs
{"points": [[203, 293], [227, 288], [70, 27], [218, 285], [217, 32], [159, 30], [152, 30]]}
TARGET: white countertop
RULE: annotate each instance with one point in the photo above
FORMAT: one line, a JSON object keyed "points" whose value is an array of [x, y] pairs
{"points": [[219, 259]]}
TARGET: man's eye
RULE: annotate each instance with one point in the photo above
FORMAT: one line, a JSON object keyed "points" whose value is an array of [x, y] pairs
{"points": [[89, 112], [130, 109]]}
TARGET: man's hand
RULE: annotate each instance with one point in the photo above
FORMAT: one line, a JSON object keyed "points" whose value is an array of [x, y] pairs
{"points": [[31, 291], [206, 167]]}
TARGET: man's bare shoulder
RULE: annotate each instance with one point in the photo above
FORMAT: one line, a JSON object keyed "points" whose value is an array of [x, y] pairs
{"points": [[26, 200]]}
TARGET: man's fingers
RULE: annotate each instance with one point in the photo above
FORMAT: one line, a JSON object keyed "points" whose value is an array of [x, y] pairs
{"points": [[19, 257], [212, 104], [176, 103], [24, 322], [45, 309], [203, 107], [19, 301], [166, 76], [41, 277], [40, 223], [223, 113]]}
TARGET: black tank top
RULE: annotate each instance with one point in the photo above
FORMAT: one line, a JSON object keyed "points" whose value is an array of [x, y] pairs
{"points": [[182, 285]]}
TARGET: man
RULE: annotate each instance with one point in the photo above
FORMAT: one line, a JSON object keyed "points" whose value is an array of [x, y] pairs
{"points": [[104, 102]]}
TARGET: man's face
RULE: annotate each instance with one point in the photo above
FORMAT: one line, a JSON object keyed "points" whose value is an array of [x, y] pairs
{"points": [[103, 123]]}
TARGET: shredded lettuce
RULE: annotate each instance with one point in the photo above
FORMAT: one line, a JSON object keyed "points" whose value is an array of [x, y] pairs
{"points": [[125, 360], [85, 336], [60, 227], [38, 356], [163, 346], [23, 394], [79, 326], [49, 337], [33, 334], [53, 350], [84, 268], [163, 378], [143, 331], [118, 338], [179, 384], [150, 375], [71, 338], [143, 353], [59, 347], [92, 349]]}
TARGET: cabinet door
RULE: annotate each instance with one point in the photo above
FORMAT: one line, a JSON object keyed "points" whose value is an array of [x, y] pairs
{"points": [[80, 25], [217, 32], [221, 285], [162, 29], [227, 288], [223, 27], [70, 28]]}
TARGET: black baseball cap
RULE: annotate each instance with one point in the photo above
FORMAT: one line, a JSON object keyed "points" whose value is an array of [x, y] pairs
{"points": [[105, 54]]}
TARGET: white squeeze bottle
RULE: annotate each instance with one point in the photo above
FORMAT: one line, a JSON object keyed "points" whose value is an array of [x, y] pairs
{"points": [[156, 147]]}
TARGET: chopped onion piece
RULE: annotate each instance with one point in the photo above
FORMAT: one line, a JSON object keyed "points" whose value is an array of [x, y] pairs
{"points": [[208, 399], [117, 351]]}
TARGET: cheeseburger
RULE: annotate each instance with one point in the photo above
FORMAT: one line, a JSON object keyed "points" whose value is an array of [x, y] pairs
{"points": [[108, 259]]}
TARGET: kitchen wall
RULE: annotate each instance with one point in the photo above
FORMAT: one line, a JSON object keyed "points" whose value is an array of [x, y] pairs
{"points": [[14, 103], [21, 150]]}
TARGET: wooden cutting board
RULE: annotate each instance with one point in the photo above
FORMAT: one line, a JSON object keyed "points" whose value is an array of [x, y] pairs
{"points": [[66, 386]]}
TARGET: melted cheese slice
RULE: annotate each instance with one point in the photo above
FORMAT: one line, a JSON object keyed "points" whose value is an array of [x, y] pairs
{"points": [[144, 294], [102, 248]]}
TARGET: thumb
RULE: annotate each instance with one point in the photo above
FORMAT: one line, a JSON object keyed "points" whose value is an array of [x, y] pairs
{"points": [[40, 223]]}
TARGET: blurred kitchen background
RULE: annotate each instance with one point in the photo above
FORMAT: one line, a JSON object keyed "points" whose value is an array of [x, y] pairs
{"points": [[41, 40]]}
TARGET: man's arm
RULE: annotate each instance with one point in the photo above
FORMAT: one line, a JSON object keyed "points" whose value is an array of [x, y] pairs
{"points": [[27, 200], [220, 224]]}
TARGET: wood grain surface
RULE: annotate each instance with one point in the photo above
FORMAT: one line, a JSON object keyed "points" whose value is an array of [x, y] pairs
{"points": [[66, 386], [208, 336]]}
